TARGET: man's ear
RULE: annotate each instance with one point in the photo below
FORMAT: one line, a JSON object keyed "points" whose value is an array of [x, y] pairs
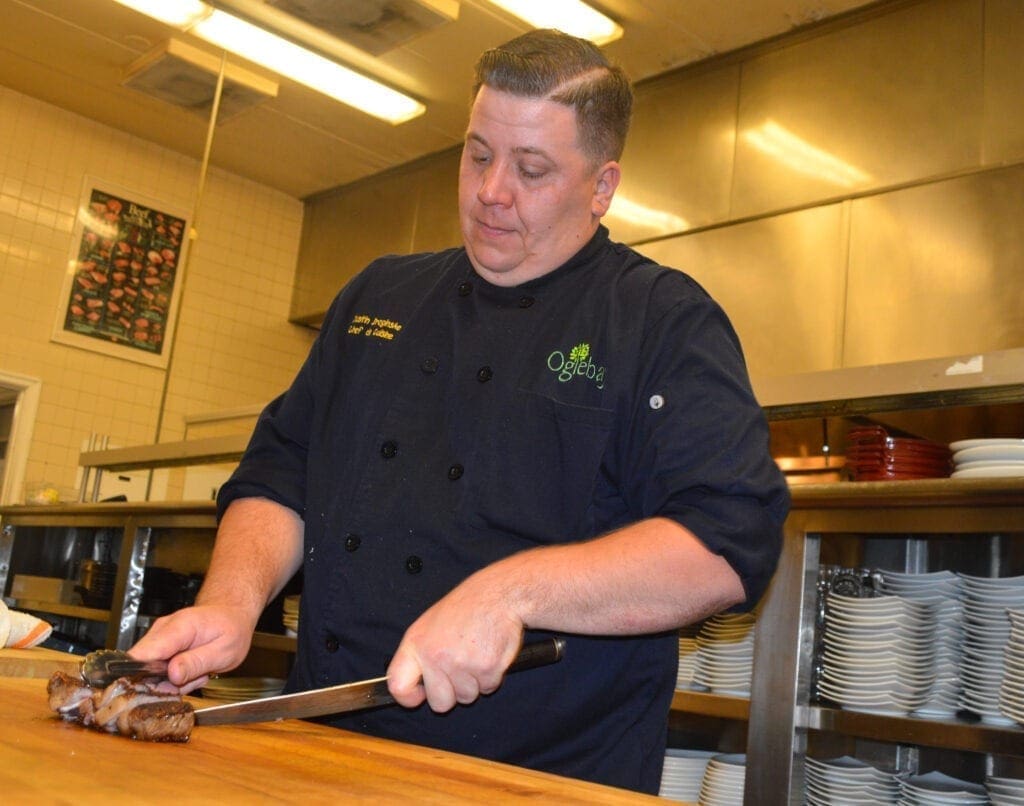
{"points": [[608, 177]]}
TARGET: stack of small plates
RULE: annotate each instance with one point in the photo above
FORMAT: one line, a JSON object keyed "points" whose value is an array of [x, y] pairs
{"points": [[987, 632], [683, 773], [1011, 694], [723, 781], [725, 654], [943, 590], [290, 617], [1005, 791], [873, 455], [688, 649], [879, 653], [937, 789], [238, 689], [848, 780], [987, 458]]}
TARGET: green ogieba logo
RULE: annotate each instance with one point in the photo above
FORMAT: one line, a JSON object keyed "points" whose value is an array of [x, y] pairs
{"points": [[577, 365]]}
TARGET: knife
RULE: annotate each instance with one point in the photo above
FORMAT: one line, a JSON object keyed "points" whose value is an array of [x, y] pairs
{"points": [[348, 696]]}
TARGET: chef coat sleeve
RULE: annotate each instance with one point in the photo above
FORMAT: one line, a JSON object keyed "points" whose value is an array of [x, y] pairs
{"points": [[699, 447], [274, 463]]}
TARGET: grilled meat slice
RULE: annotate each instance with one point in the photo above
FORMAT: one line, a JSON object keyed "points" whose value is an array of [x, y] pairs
{"points": [[70, 697], [164, 720]]}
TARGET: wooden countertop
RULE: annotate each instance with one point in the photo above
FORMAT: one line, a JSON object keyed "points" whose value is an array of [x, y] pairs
{"points": [[44, 760]]}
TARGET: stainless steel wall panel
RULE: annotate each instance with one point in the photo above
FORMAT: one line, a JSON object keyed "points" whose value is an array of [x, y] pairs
{"points": [[781, 281], [1004, 82], [935, 270], [888, 101], [677, 166], [437, 209]]}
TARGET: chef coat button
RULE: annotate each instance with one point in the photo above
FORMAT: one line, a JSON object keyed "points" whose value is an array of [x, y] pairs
{"points": [[413, 564], [352, 542], [429, 365], [455, 472], [465, 288], [525, 302], [331, 644], [484, 374], [389, 450]]}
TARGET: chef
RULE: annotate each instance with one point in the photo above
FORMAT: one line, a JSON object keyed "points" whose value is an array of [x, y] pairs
{"points": [[541, 432]]}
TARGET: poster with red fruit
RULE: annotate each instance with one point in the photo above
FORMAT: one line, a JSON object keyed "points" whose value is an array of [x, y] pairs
{"points": [[122, 285]]}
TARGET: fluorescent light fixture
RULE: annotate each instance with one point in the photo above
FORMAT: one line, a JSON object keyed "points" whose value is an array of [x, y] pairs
{"points": [[571, 16], [283, 57], [793, 151]]}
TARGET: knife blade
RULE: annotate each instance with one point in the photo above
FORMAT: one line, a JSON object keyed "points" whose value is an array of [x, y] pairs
{"points": [[348, 696]]}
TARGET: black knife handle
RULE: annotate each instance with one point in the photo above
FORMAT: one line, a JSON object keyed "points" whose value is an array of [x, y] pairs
{"points": [[538, 653]]}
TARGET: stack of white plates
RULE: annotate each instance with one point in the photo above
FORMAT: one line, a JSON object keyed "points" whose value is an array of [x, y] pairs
{"points": [[937, 789], [725, 654], [943, 589], [238, 689], [987, 458], [1011, 694], [723, 781], [848, 780], [1005, 791], [879, 653], [290, 616], [683, 773], [987, 632], [688, 649]]}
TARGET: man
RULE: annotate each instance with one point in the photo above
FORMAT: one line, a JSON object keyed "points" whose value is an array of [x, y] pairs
{"points": [[539, 433]]}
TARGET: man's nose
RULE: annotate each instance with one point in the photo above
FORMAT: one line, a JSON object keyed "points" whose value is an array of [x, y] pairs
{"points": [[495, 187]]}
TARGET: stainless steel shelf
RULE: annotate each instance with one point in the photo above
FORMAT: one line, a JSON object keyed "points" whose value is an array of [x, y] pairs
{"points": [[708, 704]]}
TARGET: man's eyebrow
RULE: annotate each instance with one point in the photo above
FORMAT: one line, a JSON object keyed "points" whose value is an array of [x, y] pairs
{"points": [[529, 150]]}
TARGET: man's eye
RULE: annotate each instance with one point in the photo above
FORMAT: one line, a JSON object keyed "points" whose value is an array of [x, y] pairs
{"points": [[528, 173]]}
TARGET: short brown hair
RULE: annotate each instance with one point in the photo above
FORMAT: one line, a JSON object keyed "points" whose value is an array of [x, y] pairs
{"points": [[545, 63]]}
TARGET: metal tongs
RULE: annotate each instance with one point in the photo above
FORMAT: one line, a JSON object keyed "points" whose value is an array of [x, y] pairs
{"points": [[104, 666]]}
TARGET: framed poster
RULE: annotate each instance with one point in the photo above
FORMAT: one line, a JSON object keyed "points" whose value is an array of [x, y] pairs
{"points": [[122, 285]]}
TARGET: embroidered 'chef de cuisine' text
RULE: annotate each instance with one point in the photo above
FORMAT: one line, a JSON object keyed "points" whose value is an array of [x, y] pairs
{"points": [[577, 364], [373, 327]]}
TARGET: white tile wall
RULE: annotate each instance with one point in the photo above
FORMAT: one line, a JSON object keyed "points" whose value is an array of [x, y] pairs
{"points": [[233, 346]]}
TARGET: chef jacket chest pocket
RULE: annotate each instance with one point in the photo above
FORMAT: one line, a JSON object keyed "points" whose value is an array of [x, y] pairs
{"points": [[544, 468]]}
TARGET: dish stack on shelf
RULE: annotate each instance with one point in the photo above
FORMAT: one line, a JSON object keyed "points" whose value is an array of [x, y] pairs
{"points": [[725, 654], [843, 780], [688, 649], [944, 590], [938, 789], [987, 458], [1011, 693], [987, 631], [879, 653], [723, 781], [873, 455], [1004, 791], [239, 689], [290, 617], [683, 773]]}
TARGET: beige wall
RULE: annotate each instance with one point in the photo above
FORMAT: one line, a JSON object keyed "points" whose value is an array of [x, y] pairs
{"points": [[234, 346], [893, 235]]}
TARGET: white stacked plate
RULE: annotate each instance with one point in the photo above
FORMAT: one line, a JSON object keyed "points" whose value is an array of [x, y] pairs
{"points": [[238, 689], [688, 650], [683, 773], [879, 653], [848, 780], [1005, 791], [942, 589], [290, 617], [723, 781], [987, 458], [725, 654], [1011, 693], [986, 634], [935, 788]]}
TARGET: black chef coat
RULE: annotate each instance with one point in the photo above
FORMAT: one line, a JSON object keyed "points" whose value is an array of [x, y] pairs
{"points": [[440, 423]]}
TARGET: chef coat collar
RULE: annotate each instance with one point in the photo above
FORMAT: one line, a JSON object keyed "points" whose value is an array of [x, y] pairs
{"points": [[547, 281]]}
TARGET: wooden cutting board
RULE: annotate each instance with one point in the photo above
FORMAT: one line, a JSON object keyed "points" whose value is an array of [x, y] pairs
{"points": [[44, 760], [36, 662]]}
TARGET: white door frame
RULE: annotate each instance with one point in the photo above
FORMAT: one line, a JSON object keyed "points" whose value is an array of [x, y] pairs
{"points": [[25, 410]]}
